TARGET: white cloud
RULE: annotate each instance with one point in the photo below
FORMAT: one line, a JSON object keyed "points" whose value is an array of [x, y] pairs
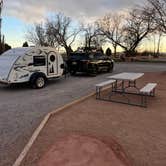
{"points": [[36, 10]]}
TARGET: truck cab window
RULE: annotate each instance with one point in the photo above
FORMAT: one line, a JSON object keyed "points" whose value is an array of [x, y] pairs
{"points": [[39, 61]]}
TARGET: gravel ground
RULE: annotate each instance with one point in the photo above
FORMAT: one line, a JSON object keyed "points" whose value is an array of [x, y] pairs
{"points": [[22, 108], [140, 131]]}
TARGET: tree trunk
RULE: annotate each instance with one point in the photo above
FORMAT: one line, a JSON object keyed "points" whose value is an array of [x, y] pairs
{"points": [[68, 50], [158, 45], [115, 47]]}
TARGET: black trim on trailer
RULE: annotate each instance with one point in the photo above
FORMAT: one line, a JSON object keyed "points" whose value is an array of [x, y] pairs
{"points": [[56, 62]]}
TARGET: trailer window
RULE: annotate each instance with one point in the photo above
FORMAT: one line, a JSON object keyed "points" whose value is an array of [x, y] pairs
{"points": [[39, 61]]}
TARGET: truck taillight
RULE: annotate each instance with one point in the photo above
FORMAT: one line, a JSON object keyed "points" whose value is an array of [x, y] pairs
{"points": [[86, 61]]}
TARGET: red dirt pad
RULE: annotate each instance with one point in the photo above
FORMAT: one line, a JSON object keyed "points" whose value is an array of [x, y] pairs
{"points": [[140, 131], [77, 150]]}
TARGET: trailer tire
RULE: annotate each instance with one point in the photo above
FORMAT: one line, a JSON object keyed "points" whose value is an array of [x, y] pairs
{"points": [[38, 80]]}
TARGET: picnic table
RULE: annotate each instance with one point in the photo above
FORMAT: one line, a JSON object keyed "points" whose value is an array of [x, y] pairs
{"points": [[121, 83], [130, 78]]}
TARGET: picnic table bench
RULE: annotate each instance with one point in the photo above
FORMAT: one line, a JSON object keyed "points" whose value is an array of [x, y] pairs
{"points": [[99, 86], [147, 90]]}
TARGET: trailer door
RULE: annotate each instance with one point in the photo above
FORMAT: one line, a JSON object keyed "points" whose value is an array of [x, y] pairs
{"points": [[52, 64]]}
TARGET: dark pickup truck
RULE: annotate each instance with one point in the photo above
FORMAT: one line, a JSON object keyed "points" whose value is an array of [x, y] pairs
{"points": [[91, 63]]}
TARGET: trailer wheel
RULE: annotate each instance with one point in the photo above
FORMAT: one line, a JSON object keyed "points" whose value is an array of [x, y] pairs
{"points": [[38, 81]]}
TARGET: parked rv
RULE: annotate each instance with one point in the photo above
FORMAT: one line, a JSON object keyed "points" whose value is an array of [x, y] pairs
{"points": [[30, 64]]}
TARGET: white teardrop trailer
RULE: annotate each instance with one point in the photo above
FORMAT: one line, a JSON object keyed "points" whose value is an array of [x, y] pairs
{"points": [[30, 64]]}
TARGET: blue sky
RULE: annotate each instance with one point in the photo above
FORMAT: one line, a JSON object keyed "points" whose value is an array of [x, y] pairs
{"points": [[19, 15], [14, 30]]}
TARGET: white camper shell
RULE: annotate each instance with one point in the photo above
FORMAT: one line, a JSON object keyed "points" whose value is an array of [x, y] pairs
{"points": [[30, 64]]}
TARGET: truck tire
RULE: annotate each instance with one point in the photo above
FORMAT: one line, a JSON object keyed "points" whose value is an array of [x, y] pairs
{"points": [[38, 81], [95, 71], [110, 68], [73, 72]]}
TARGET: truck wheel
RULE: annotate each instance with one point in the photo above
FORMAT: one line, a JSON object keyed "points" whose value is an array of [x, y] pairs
{"points": [[95, 71], [110, 68], [38, 82], [73, 72]]}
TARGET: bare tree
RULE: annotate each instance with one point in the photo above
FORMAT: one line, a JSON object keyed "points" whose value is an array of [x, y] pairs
{"points": [[159, 6], [128, 32], [60, 30], [37, 35], [90, 33], [159, 43], [92, 38], [116, 30], [154, 43], [111, 27], [138, 26], [56, 32]]}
